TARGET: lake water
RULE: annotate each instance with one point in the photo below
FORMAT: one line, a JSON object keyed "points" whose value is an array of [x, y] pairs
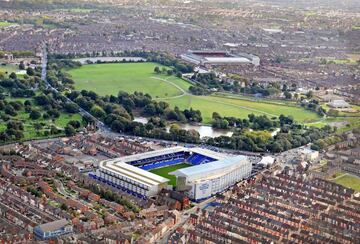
{"points": [[204, 130]]}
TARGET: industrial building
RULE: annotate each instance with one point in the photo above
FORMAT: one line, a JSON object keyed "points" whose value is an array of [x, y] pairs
{"points": [[131, 173], [204, 58], [205, 180]]}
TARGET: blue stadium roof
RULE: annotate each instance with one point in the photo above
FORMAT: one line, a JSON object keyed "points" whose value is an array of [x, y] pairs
{"points": [[211, 167]]}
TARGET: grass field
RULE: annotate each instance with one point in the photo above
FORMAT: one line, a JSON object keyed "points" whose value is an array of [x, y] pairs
{"points": [[107, 79], [9, 68], [29, 129], [5, 24], [164, 172], [349, 181], [240, 108]]}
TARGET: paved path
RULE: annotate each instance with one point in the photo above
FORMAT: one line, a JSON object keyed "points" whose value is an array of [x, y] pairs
{"points": [[173, 84]]}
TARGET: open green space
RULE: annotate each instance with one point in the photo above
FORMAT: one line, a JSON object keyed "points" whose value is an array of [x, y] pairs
{"points": [[349, 181], [31, 129], [240, 108], [107, 79], [164, 172], [9, 68], [5, 24]]}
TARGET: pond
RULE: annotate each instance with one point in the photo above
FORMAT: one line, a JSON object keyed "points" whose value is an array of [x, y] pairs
{"points": [[204, 130]]}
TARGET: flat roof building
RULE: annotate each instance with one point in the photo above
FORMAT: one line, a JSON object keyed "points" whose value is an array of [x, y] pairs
{"points": [[129, 178], [205, 180], [53, 229]]}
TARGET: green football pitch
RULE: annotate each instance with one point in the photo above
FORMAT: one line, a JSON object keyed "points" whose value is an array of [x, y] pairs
{"points": [[164, 172]]}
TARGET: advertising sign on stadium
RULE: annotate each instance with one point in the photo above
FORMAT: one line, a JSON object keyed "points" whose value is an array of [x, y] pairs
{"points": [[203, 190]]}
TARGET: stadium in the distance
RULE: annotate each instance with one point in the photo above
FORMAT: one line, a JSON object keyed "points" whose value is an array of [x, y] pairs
{"points": [[198, 172]]}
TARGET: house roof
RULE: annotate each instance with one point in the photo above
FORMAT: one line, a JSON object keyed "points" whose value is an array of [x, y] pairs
{"points": [[211, 167]]}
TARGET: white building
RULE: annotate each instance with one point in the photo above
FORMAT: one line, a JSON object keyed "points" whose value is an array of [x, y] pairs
{"points": [[205, 180], [130, 178], [267, 160], [339, 104]]}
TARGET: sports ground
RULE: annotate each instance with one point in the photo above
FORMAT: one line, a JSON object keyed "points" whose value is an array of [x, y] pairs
{"points": [[348, 180], [107, 79], [164, 172]]}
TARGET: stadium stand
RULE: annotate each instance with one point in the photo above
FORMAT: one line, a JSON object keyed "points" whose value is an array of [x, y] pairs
{"points": [[162, 164], [171, 159], [196, 159]]}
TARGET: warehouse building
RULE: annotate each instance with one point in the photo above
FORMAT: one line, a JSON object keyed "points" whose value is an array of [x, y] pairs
{"points": [[205, 180]]}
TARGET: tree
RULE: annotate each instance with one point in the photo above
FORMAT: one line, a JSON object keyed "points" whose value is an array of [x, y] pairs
{"points": [[38, 127], [69, 130], [74, 123], [10, 110], [12, 76], [309, 94], [157, 70], [30, 72], [22, 65], [169, 72], [97, 111], [64, 207], [71, 108], [287, 95], [27, 103], [35, 115]]}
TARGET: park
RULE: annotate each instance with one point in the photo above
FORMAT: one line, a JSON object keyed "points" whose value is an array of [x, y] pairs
{"points": [[109, 79]]}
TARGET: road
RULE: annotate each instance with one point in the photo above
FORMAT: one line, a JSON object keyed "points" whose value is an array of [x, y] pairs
{"points": [[185, 215], [106, 131], [44, 60]]}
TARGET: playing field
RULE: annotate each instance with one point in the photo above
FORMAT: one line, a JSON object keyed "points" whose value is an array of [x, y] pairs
{"points": [[164, 172], [349, 181], [240, 108], [107, 79]]}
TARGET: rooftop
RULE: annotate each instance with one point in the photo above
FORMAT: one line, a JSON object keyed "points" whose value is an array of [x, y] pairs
{"points": [[135, 173], [52, 226]]}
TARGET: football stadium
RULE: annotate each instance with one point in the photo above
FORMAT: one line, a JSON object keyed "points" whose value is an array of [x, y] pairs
{"points": [[213, 57], [200, 173]]}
